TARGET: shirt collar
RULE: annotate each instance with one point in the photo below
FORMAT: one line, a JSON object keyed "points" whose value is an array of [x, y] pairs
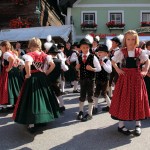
{"points": [[87, 54]]}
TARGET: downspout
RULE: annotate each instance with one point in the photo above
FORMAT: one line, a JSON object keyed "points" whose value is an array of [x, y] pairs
{"points": [[65, 16]]}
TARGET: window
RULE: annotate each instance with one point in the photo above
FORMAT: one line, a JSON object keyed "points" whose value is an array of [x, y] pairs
{"points": [[146, 17], [116, 16], [89, 17]]}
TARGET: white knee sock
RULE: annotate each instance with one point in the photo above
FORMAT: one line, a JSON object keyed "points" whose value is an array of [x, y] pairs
{"points": [[90, 109], [61, 101], [81, 105], [138, 123], [95, 102], [75, 85], [62, 86], [108, 101], [110, 91], [121, 124]]}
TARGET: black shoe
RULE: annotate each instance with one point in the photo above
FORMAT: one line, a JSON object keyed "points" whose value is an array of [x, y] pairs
{"points": [[80, 115], [137, 131], [105, 109], [124, 130], [63, 93], [40, 124], [95, 111], [76, 91], [62, 109], [86, 118], [31, 129]]}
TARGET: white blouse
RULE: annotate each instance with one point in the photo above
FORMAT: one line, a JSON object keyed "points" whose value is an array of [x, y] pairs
{"points": [[118, 56], [6, 55]]}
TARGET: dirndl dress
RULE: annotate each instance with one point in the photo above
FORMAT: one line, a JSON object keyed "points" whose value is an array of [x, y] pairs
{"points": [[130, 99], [36, 103], [10, 82]]}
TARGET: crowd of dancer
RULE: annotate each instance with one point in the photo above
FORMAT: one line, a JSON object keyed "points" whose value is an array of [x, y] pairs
{"points": [[32, 82]]}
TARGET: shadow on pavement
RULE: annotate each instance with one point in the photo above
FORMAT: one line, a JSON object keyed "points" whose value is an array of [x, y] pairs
{"points": [[96, 139], [16, 135]]}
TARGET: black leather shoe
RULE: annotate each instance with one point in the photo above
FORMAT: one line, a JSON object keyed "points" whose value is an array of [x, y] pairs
{"points": [[76, 91], [95, 111], [80, 115], [63, 93], [124, 130], [105, 109], [31, 129], [62, 109], [86, 118], [137, 131]]}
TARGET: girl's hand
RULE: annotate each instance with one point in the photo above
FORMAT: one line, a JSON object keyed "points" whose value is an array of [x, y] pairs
{"points": [[120, 72], [144, 72], [27, 76], [8, 69]]}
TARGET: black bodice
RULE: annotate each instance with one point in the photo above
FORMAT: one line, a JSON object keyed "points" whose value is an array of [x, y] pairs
{"points": [[131, 62]]}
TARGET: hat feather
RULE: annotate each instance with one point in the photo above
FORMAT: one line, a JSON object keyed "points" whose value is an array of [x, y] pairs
{"points": [[90, 38], [49, 38], [48, 45], [98, 38], [109, 43]]}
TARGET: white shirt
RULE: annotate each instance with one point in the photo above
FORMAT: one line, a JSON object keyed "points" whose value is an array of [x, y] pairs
{"points": [[61, 56], [73, 57], [107, 66], [96, 63], [118, 56]]}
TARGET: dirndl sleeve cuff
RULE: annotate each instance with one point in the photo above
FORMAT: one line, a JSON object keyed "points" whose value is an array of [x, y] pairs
{"points": [[49, 58], [118, 56], [6, 55], [143, 56], [27, 57]]}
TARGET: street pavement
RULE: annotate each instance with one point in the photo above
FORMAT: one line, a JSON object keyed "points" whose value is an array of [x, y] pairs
{"points": [[66, 133]]}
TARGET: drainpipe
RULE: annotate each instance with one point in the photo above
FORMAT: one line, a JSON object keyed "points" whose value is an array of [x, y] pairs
{"points": [[61, 12]]}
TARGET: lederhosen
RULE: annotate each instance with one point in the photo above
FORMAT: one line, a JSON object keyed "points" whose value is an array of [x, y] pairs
{"points": [[113, 74], [87, 79], [102, 82], [147, 82], [54, 76], [73, 71]]}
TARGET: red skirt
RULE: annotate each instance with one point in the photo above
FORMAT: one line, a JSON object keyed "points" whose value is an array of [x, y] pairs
{"points": [[4, 86], [130, 99]]}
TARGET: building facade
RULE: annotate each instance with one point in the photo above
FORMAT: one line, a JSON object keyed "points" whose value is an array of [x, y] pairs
{"points": [[29, 13], [109, 18]]}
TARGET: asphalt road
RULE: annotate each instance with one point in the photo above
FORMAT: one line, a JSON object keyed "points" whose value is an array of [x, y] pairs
{"points": [[66, 133]]}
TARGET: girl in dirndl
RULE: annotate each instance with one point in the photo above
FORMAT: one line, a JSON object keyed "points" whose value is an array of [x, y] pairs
{"points": [[130, 100], [37, 103], [11, 78]]}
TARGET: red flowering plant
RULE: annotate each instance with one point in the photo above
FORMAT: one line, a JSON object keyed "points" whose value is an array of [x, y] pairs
{"points": [[21, 2], [88, 25], [18, 23], [112, 24], [145, 24]]}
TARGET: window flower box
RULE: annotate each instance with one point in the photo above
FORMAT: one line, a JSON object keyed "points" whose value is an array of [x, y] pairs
{"points": [[145, 24], [89, 27], [114, 25]]}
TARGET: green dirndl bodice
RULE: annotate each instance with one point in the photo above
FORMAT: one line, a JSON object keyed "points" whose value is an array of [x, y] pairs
{"points": [[37, 102]]}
